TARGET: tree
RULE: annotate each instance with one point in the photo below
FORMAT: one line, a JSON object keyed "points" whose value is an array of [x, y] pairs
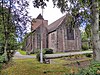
{"points": [[20, 18], [18, 9], [10, 35], [81, 10], [95, 29], [88, 31], [8, 28]]}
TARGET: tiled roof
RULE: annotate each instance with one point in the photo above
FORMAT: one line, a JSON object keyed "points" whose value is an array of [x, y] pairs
{"points": [[53, 26]]}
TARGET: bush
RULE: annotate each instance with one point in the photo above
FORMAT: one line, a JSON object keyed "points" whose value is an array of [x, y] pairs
{"points": [[85, 46], [22, 52], [88, 55], [1, 61], [48, 51], [45, 51], [38, 57], [93, 69]]}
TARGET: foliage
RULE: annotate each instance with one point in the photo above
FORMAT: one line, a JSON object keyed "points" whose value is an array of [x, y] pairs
{"points": [[93, 69], [23, 43], [88, 31], [19, 15], [8, 36], [38, 3], [38, 57], [45, 51], [85, 46], [6, 25], [0, 67], [84, 36], [22, 52], [2, 60], [48, 51], [88, 55]]}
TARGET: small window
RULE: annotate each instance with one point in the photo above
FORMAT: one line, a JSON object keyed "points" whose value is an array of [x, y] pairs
{"points": [[70, 33]]}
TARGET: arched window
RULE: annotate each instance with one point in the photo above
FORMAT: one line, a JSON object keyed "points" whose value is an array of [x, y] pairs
{"points": [[70, 33], [52, 36]]}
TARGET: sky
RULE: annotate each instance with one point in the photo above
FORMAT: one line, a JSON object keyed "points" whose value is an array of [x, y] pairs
{"points": [[49, 13]]}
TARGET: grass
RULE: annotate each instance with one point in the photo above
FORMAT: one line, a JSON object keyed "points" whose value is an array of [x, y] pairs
{"points": [[62, 61], [33, 67], [24, 52]]}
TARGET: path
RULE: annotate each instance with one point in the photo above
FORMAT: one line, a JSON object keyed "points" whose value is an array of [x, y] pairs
{"points": [[17, 55], [67, 54]]}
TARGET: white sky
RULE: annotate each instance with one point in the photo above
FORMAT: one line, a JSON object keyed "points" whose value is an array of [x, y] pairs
{"points": [[51, 14]]}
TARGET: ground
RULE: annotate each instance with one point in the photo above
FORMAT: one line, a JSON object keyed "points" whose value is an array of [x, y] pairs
{"points": [[30, 66], [18, 55], [33, 67]]}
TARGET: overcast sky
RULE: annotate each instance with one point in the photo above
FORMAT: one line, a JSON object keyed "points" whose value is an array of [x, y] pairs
{"points": [[49, 13]]}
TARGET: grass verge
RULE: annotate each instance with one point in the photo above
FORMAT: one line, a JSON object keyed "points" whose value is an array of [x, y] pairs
{"points": [[33, 67], [24, 52]]}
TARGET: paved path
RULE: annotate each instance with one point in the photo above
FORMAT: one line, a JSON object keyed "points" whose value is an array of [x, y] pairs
{"points": [[66, 54], [17, 55]]}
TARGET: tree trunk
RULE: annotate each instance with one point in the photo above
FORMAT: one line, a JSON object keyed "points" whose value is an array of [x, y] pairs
{"points": [[95, 31]]}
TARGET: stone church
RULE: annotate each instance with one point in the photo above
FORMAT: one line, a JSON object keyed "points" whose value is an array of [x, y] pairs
{"points": [[59, 35]]}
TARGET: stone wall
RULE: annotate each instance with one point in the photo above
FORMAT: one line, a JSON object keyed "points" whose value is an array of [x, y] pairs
{"points": [[59, 42]]}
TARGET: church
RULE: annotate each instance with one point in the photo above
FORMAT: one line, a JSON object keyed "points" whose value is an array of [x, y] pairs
{"points": [[59, 36]]}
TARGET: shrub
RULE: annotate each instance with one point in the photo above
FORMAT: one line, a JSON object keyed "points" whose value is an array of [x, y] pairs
{"points": [[48, 51], [38, 57], [88, 55], [1, 61], [85, 46], [93, 69], [22, 52], [45, 51], [0, 68]]}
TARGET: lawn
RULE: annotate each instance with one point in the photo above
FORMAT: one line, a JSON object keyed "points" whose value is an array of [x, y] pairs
{"points": [[33, 67], [24, 52], [58, 66]]}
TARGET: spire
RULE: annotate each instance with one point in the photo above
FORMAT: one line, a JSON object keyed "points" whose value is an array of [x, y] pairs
{"points": [[40, 17]]}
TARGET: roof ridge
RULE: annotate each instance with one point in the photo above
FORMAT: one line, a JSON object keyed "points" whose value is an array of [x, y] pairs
{"points": [[55, 24], [57, 19]]}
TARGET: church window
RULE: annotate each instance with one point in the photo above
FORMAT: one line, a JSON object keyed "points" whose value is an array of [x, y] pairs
{"points": [[38, 40], [70, 33], [53, 36]]}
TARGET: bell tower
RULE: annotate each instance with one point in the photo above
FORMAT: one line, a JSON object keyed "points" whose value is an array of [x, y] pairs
{"points": [[36, 22]]}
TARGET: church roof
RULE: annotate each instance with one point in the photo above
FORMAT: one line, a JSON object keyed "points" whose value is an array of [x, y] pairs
{"points": [[40, 17], [53, 26]]}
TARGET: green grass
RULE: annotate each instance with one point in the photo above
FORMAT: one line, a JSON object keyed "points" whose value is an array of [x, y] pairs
{"points": [[62, 61], [33, 67], [22, 52]]}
